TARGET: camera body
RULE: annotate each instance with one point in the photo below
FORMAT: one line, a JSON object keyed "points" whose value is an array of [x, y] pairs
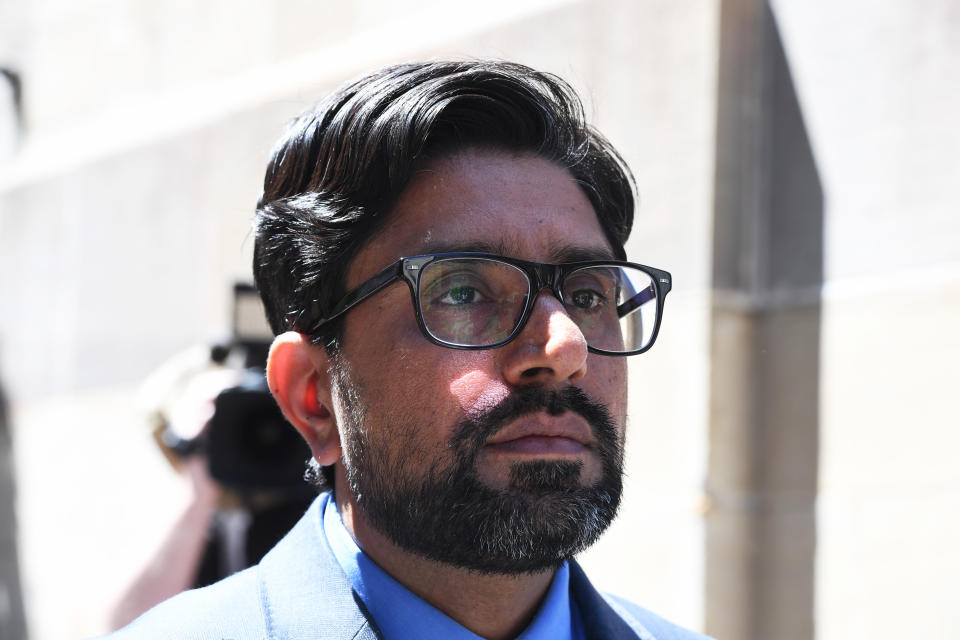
{"points": [[248, 444], [250, 448]]}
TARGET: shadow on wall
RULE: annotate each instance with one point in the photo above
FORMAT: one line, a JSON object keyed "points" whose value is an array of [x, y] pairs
{"points": [[11, 113], [765, 342], [12, 622]]}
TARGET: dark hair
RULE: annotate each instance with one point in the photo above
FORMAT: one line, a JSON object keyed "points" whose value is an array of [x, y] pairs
{"points": [[339, 167]]}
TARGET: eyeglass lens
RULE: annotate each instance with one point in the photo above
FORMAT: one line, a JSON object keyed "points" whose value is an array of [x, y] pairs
{"points": [[479, 302]]}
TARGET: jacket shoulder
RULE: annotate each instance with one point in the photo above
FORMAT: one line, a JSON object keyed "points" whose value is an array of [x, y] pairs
{"points": [[298, 590], [648, 624], [231, 608]]}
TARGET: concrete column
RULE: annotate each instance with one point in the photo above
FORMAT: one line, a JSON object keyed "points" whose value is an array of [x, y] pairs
{"points": [[765, 340]]}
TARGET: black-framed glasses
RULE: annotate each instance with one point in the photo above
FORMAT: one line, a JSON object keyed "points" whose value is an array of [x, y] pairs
{"points": [[481, 301]]}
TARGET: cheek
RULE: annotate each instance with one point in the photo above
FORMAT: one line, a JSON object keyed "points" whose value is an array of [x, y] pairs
{"points": [[609, 384], [477, 390]]}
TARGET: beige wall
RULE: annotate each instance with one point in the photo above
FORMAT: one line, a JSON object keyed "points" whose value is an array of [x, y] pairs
{"points": [[879, 93]]}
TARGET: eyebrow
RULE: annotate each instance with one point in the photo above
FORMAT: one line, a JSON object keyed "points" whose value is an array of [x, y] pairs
{"points": [[566, 253], [582, 254], [459, 246]]}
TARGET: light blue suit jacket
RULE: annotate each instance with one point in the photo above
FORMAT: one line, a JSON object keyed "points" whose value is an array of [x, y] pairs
{"points": [[299, 592]]}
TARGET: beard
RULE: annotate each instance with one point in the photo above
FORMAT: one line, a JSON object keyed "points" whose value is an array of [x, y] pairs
{"points": [[448, 514]]}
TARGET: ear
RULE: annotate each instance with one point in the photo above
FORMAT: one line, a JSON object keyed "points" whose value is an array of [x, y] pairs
{"points": [[298, 378]]}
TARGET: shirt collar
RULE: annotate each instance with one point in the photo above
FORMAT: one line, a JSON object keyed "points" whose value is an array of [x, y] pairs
{"points": [[399, 613]]}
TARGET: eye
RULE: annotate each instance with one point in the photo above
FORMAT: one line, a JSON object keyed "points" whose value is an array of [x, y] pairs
{"points": [[460, 294], [586, 299], [458, 289], [589, 289]]}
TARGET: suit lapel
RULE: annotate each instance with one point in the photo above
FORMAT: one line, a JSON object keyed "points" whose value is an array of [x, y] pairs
{"points": [[600, 621], [304, 592]]}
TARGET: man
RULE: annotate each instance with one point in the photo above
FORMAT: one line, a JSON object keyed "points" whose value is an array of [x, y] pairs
{"points": [[439, 247]]}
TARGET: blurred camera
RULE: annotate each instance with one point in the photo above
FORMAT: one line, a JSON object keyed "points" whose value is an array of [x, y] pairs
{"points": [[249, 446]]}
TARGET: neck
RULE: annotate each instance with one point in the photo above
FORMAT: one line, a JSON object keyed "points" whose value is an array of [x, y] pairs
{"points": [[493, 606]]}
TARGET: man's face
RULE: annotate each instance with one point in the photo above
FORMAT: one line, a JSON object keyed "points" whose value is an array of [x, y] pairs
{"points": [[449, 452]]}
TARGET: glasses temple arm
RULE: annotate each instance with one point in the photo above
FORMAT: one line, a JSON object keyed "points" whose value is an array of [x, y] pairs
{"points": [[361, 293], [631, 304]]}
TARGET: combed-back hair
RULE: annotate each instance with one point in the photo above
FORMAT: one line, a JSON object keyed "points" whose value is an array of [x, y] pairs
{"points": [[339, 167]]}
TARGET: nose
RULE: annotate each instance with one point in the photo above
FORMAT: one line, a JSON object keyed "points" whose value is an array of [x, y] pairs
{"points": [[551, 348]]}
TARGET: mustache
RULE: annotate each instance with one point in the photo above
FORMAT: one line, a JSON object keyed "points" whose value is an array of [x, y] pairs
{"points": [[472, 432]]}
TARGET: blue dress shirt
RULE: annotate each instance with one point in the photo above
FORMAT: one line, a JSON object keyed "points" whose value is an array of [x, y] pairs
{"points": [[399, 613]]}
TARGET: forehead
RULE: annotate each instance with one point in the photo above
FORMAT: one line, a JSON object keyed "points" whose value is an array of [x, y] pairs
{"points": [[518, 205]]}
